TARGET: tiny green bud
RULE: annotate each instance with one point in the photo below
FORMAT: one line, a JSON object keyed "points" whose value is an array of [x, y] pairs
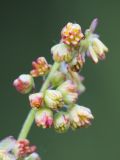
{"points": [[53, 99], [44, 117], [57, 78], [61, 122]]}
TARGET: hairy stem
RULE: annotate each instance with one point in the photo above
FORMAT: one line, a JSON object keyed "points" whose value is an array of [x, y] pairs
{"points": [[30, 118]]}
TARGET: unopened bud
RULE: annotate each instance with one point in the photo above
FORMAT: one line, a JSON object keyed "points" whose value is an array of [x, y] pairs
{"points": [[57, 78], [44, 117], [53, 99], [24, 148], [36, 100], [71, 34], [61, 122], [62, 52], [40, 67], [78, 80], [77, 63], [99, 48], [69, 91], [24, 83], [80, 116]]}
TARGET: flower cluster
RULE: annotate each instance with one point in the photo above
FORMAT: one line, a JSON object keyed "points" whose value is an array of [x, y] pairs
{"points": [[56, 103], [12, 149]]}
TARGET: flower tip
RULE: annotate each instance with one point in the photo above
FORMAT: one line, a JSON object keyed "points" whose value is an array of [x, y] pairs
{"points": [[36, 100], [93, 25], [44, 118], [24, 83]]}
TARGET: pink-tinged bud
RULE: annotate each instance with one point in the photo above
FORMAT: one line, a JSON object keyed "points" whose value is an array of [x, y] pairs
{"points": [[69, 91], [80, 116], [61, 122], [71, 34], [36, 100], [61, 52], [24, 148], [54, 99], [44, 117], [40, 67], [24, 83], [78, 80]]}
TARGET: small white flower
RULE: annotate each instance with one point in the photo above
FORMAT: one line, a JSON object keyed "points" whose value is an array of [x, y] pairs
{"points": [[80, 116], [61, 52]]}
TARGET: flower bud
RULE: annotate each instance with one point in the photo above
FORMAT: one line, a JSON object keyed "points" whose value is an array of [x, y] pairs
{"points": [[62, 52], [99, 48], [24, 83], [69, 91], [33, 156], [53, 99], [24, 148], [57, 78], [77, 63], [71, 34], [92, 45], [36, 100], [40, 67], [44, 117], [78, 80], [80, 116], [61, 122]]}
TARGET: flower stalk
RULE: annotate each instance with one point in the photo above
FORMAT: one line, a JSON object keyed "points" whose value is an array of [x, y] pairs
{"points": [[30, 118]]}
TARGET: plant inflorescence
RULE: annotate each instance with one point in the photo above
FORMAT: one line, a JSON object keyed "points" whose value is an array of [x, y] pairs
{"points": [[55, 105]]}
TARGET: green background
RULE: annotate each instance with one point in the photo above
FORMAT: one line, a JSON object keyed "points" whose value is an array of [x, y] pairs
{"points": [[28, 29]]}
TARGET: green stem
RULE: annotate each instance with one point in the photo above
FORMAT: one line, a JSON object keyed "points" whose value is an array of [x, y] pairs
{"points": [[30, 118]]}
